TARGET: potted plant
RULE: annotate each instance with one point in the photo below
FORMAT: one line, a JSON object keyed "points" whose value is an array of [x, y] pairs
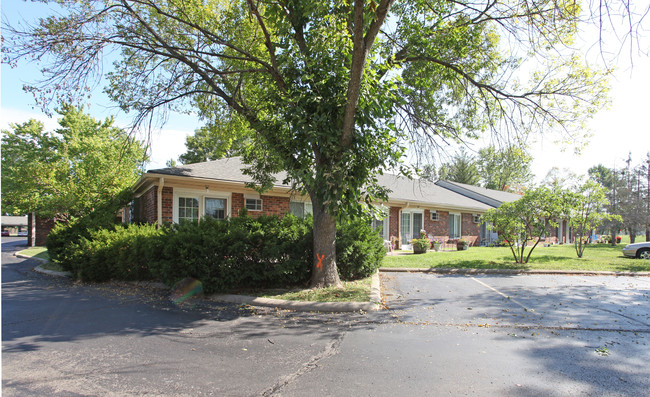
{"points": [[436, 244], [462, 245]]}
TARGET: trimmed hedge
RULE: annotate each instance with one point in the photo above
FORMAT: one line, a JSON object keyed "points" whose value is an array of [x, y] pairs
{"points": [[359, 249], [240, 252]]}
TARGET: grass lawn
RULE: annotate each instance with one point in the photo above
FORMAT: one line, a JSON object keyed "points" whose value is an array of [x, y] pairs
{"points": [[36, 252], [597, 257], [41, 253], [352, 291]]}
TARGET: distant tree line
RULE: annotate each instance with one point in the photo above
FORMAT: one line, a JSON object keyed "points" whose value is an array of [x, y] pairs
{"points": [[628, 192], [506, 169]]}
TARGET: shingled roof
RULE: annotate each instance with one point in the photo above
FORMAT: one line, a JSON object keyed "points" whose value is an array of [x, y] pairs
{"points": [[227, 170], [428, 194], [493, 198]]}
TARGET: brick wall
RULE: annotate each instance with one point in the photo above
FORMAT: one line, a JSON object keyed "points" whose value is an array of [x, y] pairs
{"points": [[43, 228], [167, 204], [149, 205], [238, 203], [437, 229], [471, 231], [271, 205], [393, 227]]}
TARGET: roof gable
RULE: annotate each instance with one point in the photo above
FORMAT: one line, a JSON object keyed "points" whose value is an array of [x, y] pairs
{"points": [[493, 198]]}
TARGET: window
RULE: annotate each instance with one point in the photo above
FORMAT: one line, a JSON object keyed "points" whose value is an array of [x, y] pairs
{"points": [[454, 226], [434, 216], [300, 209], [188, 208], [254, 204], [215, 208], [378, 225], [476, 218]]}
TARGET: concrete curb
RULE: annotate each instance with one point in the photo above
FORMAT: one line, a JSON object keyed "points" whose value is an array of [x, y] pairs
{"points": [[40, 269], [334, 307], [512, 272]]}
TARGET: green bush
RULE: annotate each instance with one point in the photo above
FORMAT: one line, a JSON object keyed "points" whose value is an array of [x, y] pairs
{"points": [[63, 241], [359, 249], [122, 252], [241, 252]]}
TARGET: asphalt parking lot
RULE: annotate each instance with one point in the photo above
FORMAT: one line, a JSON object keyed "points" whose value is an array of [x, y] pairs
{"points": [[439, 335], [524, 301]]}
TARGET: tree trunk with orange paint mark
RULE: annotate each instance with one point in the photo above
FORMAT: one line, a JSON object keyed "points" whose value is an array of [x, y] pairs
{"points": [[324, 270]]}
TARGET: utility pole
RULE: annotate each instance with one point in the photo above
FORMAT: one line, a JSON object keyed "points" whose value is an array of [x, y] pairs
{"points": [[647, 199]]}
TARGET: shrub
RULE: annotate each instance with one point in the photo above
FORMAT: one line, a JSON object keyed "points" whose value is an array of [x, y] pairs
{"points": [[237, 253], [240, 252], [359, 249], [63, 241], [121, 252]]}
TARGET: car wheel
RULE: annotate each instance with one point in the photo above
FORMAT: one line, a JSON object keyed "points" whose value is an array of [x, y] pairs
{"points": [[643, 253]]}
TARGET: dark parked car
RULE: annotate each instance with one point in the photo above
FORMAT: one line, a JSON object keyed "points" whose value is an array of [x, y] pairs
{"points": [[5, 233], [638, 250]]}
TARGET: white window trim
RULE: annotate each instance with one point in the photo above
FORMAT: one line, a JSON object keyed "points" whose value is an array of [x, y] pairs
{"points": [[410, 211], [257, 199], [386, 219], [434, 212], [201, 195]]}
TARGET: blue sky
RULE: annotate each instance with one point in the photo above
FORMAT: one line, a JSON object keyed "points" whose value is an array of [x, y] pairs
{"points": [[623, 128]]}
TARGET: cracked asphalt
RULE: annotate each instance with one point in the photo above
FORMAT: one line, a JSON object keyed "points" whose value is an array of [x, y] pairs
{"points": [[456, 335]]}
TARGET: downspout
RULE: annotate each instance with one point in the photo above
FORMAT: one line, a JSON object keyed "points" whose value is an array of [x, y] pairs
{"points": [[159, 203]]}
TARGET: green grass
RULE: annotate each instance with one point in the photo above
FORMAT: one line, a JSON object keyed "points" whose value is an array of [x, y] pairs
{"points": [[36, 252], [352, 291], [597, 257], [41, 253]]}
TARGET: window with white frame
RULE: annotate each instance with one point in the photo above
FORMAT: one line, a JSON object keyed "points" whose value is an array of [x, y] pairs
{"points": [[215, 207], [254, 204], [434, 216], [381, 223], [300, 209], [188, 208], [454, 226], [411, 225]]}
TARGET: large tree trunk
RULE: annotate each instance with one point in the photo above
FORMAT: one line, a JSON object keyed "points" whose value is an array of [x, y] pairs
{"points": [[324, 271], [614, 232]]}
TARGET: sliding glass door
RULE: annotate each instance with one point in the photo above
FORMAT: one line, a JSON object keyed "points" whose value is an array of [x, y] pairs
{"points": [[412, 223]]}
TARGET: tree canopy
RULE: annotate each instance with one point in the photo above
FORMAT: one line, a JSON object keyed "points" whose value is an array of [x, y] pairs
{"points": [[68, 172], [462, 169], [504, 169], [333, 91], [225, 136], [525, 220]]}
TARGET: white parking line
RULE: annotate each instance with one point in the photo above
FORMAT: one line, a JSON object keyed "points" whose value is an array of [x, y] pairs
{"points": [[506, 296]]}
